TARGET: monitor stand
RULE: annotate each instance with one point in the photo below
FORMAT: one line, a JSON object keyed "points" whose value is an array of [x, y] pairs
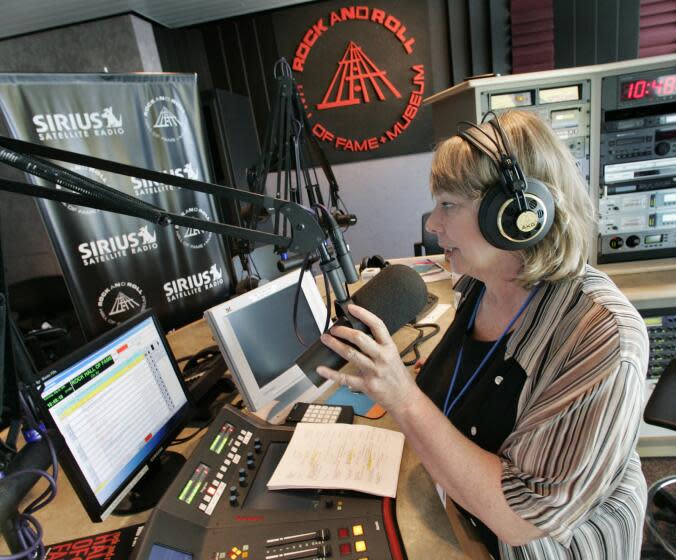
{"points": [[148, 491], [302, 391]]}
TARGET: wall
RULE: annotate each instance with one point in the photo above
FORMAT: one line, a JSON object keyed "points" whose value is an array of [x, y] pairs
{"points": [[389, 197], [467, 37], [118, 44]]}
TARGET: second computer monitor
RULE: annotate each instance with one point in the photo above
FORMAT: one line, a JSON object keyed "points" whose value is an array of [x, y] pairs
{"points": [[256, 334], [116, 405]]}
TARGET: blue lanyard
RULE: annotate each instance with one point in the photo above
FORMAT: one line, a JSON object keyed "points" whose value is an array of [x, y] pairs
{"points": [[447, 407]]}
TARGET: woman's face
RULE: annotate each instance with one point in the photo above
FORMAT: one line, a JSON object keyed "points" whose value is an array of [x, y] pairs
{"points": [[455, 222]]}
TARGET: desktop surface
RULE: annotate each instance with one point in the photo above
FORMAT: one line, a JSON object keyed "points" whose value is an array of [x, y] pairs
{"points": [[423, 523]]}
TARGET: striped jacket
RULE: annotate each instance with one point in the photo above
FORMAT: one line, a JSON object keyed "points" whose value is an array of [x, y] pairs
{"points": [[570, 466]]}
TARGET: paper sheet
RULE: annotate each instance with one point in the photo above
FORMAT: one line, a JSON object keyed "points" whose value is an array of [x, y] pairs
{"points": [[343, 456], [430, 271]]}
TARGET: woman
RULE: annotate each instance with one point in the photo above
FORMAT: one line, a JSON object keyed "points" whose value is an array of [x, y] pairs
{"points": [[527, 412]]}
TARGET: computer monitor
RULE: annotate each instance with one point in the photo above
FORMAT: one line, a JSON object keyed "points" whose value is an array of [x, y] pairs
{"points": [[255, 332], [116, 404]]}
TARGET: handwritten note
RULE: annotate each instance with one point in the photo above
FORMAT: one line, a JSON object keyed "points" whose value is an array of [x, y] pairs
{"points": [[342, 456]]}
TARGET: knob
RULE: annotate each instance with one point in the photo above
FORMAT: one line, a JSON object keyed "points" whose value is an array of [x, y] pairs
{"points": [[242, 473], [616, 242], [633, 241], [662, 148], [250, 463], [242, 481], [233, 491], [233, 500], [328, 504], [258, 445]]}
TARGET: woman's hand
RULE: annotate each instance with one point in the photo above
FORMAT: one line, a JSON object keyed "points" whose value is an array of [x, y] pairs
{"points": [[382, 375]]}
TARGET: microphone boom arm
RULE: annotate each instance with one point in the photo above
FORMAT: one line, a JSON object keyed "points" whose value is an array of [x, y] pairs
{"points": [[306, 231]]}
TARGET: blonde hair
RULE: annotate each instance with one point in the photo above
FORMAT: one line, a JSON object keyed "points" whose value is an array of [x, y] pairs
{"points": [[459, 169]]}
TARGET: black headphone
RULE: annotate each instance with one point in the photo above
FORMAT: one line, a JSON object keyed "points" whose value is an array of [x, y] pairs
{"points": [[376, 261], [517, 212]]}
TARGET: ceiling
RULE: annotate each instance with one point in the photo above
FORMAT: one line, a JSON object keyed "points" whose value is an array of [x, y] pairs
{"points": [[26, 16]]}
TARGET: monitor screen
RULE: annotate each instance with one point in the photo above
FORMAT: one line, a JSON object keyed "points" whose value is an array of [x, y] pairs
{"points": [[270, 319], [115, 403], [255, 332]]}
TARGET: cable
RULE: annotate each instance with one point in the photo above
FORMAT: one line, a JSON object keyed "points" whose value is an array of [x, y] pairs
{"points": [[22, 525], [179, 441], [296, 298], [28, 530], [415, 345]]}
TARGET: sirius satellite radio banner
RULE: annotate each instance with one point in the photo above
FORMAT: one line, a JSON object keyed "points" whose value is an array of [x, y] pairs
{"points": [[117, 266], [362, 72]]}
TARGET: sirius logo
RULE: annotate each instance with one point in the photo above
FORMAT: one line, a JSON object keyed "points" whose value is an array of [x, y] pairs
{"points": [[60, 126], [193, 284], [117, 246], [143, 187]]}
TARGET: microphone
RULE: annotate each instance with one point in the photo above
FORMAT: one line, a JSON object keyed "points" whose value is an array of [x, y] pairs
{"points": [[342, 250], [396, 295]]}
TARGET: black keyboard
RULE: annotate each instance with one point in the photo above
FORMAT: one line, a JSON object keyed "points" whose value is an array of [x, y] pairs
{"points": [[662, 337]]}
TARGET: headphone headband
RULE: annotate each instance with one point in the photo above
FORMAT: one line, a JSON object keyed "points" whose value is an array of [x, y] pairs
{"points": [[519, 211], [512, 178]]}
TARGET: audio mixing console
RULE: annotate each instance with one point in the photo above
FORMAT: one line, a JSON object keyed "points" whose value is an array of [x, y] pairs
{"points": [[219, 507]]}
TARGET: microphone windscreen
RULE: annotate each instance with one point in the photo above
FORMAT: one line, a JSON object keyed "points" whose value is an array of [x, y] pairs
{"points": [[396, 295]]}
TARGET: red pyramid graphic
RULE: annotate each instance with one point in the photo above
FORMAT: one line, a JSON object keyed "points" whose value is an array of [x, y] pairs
{"points": [[350, 85]]}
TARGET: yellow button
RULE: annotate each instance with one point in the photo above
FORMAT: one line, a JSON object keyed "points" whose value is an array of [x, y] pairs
{"points": [[357, 530], [360, 546]]}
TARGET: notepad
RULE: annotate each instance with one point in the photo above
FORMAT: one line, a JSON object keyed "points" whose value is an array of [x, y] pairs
{"points": [[341, 456]]}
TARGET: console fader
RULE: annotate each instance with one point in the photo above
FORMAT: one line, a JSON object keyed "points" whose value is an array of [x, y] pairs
{"points": [[219, 507]]}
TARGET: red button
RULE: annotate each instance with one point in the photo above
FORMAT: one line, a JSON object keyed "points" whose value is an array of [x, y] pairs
{"points": [[345, 549], [343, 533]]}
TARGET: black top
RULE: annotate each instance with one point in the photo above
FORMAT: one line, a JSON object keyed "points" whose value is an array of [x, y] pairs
{"points": [[486, 414]]}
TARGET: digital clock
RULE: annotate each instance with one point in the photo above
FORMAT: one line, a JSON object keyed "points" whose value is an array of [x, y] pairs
{"points": [[650, 88]]}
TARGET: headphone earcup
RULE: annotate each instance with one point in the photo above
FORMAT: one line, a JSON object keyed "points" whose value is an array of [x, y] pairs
{"points": [[499, 217], [376, 261]]}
